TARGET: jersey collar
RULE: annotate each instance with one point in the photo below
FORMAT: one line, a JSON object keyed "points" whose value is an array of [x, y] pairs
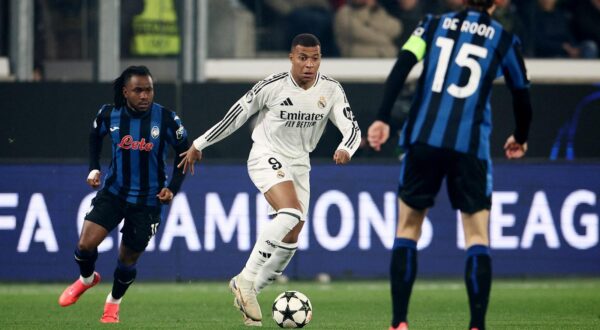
{"points": [[293, 82], [138, 114]]}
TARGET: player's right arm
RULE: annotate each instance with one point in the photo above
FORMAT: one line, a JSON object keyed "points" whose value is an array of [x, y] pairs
{"points": [[238, 114], [411, 53], [515, 75], [97, 133]]}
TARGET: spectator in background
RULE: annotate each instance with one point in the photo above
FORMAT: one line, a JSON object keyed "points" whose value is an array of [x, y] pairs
{"points": [[409, 12], [586, 26], [38, 72], [363, 28], [337, 4], [149, 28], [551, 34], [454, 5], [443, 6], [308, 16], [508, 15]]}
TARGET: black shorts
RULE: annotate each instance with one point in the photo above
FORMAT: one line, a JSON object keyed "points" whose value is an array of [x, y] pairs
{"points": [[468, 178], [141, 221]]}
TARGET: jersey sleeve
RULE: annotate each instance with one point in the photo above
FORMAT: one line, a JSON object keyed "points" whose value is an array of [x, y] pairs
{"points": [[342, 117], [249, 104], [102, 120], [177, 138], [515, 75], [513, 67], [176, 132], [411, 53], [97, 132]]}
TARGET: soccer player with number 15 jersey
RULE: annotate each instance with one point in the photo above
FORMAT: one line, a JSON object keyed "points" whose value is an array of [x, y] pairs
{"points": [[447, 136]]}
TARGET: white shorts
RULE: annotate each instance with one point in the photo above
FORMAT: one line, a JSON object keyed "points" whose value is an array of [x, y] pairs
{"points": [[267, 168]]}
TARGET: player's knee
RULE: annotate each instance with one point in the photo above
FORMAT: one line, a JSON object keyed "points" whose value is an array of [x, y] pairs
{"points": [[128, 259], [297, 205], [282, 225], [292, 236], [290, 217], [86, 246], [292, 203]]}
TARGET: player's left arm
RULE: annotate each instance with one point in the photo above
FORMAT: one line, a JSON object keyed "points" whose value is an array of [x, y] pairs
{"points": [[411, 53], [515, 75], [177, 138], [342, 117], [396, 79]]}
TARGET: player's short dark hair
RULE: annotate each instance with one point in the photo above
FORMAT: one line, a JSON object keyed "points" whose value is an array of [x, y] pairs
{"points": [[120, 82], [306, 40], [485, 4]]}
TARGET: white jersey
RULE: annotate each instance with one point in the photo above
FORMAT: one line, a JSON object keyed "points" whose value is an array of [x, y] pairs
{"points": [[291, 119]]}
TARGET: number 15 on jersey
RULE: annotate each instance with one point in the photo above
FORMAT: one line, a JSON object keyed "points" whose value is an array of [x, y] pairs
{"points": [[464, 59]]}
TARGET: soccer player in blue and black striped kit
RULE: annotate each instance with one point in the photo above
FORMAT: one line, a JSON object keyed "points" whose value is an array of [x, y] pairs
{"points": [[447, 135], [136, 184]]}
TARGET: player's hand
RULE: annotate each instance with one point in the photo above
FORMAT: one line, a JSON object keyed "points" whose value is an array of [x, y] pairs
{"points": [[93, 179], [378, 134], [341, 157], [165, 195], [513, 149], [190, 157]]}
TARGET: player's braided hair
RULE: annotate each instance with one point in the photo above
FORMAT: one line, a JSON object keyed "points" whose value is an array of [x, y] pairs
{"points": [[120, 82], [306, 40], [485, 4]]}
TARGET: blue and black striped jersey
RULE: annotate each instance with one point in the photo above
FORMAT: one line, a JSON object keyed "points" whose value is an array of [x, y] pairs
{"points": [[463, 53], [139, 151]]}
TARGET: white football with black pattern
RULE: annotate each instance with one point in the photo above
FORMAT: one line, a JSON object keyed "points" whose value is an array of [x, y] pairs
{"points": [[292, 309]]}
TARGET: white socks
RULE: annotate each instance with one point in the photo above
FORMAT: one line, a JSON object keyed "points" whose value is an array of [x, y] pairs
{"points": [[110, 299], [275, 265], [87, 280], [268, 240]]}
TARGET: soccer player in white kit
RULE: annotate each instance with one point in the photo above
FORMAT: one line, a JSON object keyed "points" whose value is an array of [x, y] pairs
{"points": [[293, 108]]}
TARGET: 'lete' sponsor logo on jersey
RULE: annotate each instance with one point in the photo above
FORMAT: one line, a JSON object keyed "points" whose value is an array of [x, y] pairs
{"points": [[127, 143]]}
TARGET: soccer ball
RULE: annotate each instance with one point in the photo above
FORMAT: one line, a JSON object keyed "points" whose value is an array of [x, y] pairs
{"points": [[292, 309]]}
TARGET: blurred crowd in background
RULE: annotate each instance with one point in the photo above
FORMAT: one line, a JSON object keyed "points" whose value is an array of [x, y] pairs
{"points": [[66, 29], [378, 28]]}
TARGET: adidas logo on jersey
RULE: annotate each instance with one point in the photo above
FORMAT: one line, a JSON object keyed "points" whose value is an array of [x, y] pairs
{"points": [[287, 102]]}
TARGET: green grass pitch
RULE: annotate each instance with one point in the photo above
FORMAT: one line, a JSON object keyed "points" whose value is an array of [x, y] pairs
{"points": [[436, 304]]}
